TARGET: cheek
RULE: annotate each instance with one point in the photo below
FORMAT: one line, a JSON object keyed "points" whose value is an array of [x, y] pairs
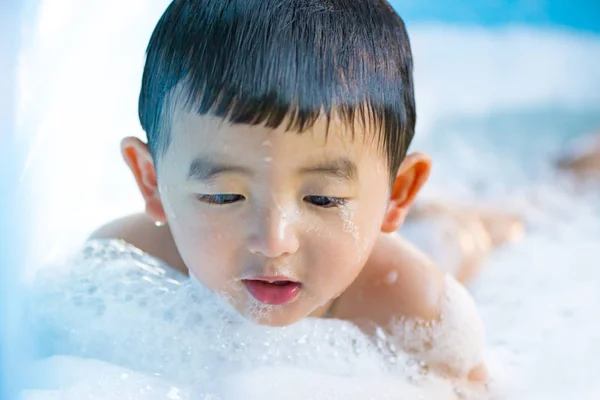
{"points": [[361, 225], [344, 246], [190, 223], [209, 253], [204, 241]]}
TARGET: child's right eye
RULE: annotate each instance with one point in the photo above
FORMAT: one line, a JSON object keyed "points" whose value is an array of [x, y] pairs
{"points": [[220, 199]]}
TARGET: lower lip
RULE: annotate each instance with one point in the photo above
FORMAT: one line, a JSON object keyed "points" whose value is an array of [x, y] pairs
{"points": [[270, 293]]}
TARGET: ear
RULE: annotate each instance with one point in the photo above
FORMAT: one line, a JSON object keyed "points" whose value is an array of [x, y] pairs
{"points": [[412, 175], [137, 156]]}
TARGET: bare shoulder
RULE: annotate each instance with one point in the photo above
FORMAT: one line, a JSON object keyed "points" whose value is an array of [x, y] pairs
{"points": [[398, 280], [125, 228], [140, 231]]}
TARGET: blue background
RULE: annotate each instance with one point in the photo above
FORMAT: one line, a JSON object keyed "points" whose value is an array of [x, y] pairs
{"points": [[575, 14]]}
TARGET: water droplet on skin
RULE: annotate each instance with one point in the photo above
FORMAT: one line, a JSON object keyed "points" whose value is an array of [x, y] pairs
{"points": [[349, 226], [391, 278]]}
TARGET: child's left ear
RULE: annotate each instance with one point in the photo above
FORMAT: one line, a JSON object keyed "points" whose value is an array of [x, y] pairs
{"points": [[412, 175]]}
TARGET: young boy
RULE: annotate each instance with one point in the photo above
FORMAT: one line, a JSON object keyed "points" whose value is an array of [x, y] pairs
{"points": [[276, 172]]}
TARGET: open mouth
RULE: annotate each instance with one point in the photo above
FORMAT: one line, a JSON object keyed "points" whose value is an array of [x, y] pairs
{"points": [[273, 291]]}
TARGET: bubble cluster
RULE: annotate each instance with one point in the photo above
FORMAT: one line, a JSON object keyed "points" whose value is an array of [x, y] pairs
{"points": [[456, 340], [118, 305]]}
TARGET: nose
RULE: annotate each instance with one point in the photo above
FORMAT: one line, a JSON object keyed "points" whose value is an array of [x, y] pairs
{"points": [[272, 234]]}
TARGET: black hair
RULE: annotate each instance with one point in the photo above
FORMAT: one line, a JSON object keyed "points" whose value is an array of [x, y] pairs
{"points": [[275, 61]]}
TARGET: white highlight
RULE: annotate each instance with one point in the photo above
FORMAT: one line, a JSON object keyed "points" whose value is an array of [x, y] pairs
{"points": [[391, 278]]}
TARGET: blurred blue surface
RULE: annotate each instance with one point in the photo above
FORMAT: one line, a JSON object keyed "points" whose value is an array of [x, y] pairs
{"points": [[575, 14]]}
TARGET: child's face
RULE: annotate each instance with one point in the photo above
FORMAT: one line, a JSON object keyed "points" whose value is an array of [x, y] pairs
{"points": [[297, 207]]}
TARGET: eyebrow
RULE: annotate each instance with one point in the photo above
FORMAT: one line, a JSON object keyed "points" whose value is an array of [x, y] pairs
{"points": [[205, 169], [341, 167]]}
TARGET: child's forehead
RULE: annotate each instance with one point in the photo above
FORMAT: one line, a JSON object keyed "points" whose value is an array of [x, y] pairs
{"points": [[210, 143], [325, 132]]}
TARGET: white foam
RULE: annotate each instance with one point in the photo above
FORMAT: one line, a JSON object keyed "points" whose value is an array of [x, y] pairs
{"points": [[74, 378], [456, 341], [120, 306], [79, 379]]}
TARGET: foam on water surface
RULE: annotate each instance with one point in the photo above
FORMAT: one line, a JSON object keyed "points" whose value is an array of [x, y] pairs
{"points": [[116, 304], [80, 378]]}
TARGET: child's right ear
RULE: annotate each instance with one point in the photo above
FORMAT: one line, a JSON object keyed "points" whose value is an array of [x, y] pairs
{"points": [[137, 156], [412, 175]]}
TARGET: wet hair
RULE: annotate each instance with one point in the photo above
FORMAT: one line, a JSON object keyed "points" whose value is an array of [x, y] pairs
{"points": [[281, 62]]}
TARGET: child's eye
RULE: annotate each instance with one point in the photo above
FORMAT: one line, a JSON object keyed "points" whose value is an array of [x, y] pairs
{"points": [[220, 199], [325, 201]]}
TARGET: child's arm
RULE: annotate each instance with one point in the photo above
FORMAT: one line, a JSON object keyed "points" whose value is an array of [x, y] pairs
{"points": [[429, 314]]}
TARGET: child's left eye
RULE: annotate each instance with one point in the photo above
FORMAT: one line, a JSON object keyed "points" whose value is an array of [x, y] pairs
{"points": [[325, 201], [220, 199]]}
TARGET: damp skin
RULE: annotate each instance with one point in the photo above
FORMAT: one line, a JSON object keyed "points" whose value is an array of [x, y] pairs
{"points": [[304, 206]]}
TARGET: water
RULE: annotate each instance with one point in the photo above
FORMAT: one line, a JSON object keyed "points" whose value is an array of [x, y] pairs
{"points": [[496, 106]]}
